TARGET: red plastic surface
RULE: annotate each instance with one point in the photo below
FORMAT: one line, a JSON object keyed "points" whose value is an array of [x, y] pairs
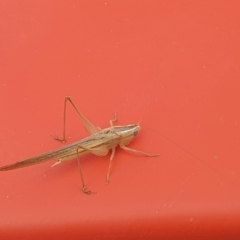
{"points": [[108, 55]]}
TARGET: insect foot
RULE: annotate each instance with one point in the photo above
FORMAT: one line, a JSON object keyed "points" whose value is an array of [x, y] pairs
{"points": [[57, 138], [84, 189]]}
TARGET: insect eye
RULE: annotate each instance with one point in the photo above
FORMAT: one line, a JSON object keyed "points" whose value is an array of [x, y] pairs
{"points": [[135, 133]]}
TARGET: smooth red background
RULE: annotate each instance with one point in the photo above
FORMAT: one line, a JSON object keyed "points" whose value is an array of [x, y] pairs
{"points": [[108, 55]]}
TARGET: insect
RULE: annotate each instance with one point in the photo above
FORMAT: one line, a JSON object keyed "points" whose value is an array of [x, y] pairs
{"points": [[98, 143]]}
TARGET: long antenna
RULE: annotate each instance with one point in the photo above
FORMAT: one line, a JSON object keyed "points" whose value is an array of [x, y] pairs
{"points": [[148, 98], [196, 157], [154, 79]]}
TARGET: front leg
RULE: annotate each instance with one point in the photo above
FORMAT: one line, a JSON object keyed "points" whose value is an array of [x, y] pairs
{"points": [[114, 120], [137, 151]]}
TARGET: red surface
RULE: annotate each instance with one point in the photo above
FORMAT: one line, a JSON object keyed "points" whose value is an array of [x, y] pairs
{"points": [[106, 55]]}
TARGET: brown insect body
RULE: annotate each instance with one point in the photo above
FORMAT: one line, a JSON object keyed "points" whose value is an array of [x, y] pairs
{"points": [[99, 143]]}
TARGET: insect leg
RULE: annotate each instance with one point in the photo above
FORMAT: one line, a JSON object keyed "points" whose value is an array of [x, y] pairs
{"points": [[64, 124], [90, 127], [137, 151], [110, 165], [113, 150], [98, 151], [84, 189], [114, 120]]}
